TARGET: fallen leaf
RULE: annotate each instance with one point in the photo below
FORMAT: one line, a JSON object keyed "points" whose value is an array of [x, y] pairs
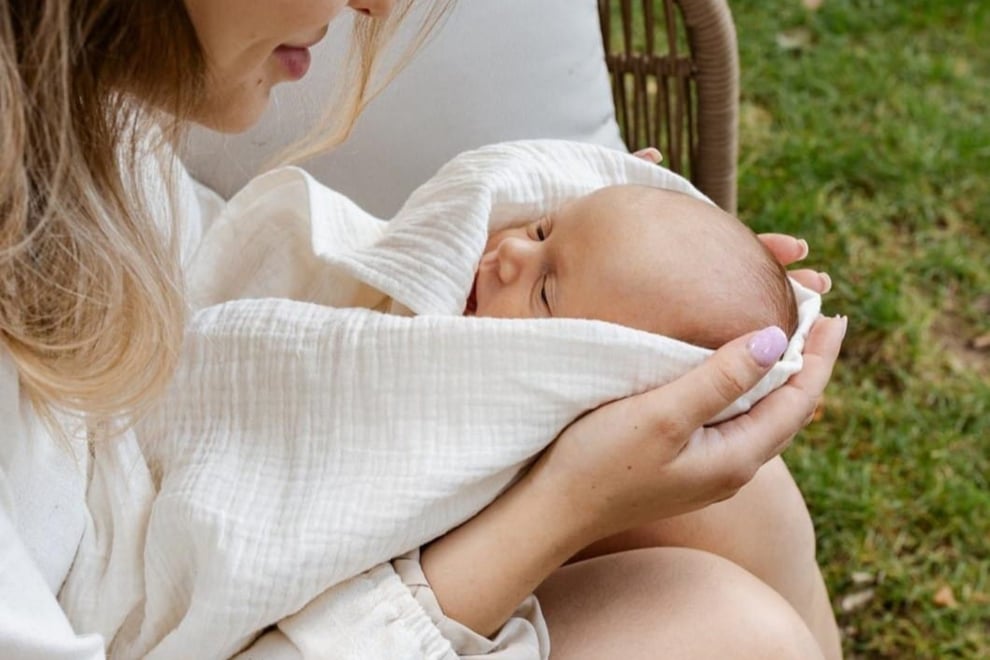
{"points": [[961, 67], [855, 600], [812, 5], [981, 343], [795, 39], [944, 597], [819, 411], [862, 577]]}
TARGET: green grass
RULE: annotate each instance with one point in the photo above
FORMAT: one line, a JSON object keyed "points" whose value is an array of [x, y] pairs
{"points": [[865, 128], [872, 141]]}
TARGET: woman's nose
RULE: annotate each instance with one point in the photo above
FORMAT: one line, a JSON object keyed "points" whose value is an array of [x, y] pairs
{"points": [[374, 8], [516, 256]]}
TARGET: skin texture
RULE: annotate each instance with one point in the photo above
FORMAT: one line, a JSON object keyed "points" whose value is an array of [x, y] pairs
{"points": [[641, 257], [240, 38]]}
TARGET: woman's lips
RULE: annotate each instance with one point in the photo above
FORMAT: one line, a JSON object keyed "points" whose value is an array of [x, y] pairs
{"points": [[295, 60]]}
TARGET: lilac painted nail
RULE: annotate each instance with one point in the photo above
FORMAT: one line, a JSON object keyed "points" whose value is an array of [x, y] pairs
{"points": [[767, 345]]}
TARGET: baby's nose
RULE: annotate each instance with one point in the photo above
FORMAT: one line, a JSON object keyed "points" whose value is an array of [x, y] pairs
{"points": [[516, 256]]}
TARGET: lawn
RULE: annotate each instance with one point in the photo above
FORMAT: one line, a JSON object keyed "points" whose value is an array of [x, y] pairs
{"points": [[865, 128]]}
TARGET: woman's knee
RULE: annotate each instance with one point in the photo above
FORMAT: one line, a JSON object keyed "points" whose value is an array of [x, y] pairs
{"points": [[672, 602], [770, 628]]}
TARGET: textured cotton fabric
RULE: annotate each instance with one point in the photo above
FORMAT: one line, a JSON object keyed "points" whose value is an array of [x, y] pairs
{"points": [[49, 536], [309, 438]]}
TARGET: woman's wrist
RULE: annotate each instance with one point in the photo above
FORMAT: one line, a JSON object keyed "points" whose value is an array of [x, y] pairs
{"points": [[482, 570]]}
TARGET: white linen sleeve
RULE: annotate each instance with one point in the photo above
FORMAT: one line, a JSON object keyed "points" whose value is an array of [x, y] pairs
{"points": [[38, 535], [32, 625], [372, 616], [524, 636], [390, 612]]}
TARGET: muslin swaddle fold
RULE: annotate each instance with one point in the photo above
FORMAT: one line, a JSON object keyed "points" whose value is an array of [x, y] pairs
{"points": [[308, 437]]}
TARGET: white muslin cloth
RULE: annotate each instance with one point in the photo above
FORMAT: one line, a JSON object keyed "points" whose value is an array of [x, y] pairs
{"points": [[308, 437]]}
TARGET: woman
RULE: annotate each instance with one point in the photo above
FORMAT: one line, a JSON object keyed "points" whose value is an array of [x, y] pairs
{"points": [[92, 315]]}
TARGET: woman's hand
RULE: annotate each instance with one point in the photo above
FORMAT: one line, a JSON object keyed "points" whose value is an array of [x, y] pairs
{"points": [[627, 463], [789, 250], [648, 457], [650, 155]]}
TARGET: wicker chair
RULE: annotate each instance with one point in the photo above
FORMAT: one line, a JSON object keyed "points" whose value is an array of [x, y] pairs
{"points": [[676, 85]]}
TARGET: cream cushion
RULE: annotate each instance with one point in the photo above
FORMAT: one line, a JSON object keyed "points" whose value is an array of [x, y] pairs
{"points": [[496, 71]]}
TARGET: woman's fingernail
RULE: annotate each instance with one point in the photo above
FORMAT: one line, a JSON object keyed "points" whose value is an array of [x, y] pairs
{"points": [[650, 153], [804, 249], [767, 345], [826, 282], [845, 323]]}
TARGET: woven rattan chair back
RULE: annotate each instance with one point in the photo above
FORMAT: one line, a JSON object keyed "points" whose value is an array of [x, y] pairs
{"points": [[675, 81]]}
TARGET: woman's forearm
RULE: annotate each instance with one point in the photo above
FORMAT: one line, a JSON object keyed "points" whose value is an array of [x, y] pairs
{"points": [[482, 570]]}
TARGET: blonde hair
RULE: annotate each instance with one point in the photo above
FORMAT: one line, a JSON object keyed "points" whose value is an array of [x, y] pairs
{"points": [[92, 309], [365, 73]]}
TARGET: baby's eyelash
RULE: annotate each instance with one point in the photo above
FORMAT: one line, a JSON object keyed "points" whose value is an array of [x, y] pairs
{"points": [[543, 293], [542, 228]]}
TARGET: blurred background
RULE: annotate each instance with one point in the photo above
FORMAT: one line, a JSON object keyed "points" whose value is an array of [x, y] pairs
{"points": [[865, 128]]}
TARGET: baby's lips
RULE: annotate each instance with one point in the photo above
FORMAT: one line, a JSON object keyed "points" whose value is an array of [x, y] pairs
{"points": [[472, 300]]}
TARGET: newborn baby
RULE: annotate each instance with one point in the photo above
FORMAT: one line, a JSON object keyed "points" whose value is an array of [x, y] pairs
{"points": [[647, 258], [300, 413]]}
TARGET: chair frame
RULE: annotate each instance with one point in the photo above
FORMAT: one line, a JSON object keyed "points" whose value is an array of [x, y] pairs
{"points": [[686, 104]]}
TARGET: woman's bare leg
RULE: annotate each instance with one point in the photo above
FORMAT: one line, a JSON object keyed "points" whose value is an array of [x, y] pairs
{"points": [[668, 603], [766, 529]]}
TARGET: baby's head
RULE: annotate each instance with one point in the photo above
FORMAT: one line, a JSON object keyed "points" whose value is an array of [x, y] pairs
{"points": [[647, 258]]}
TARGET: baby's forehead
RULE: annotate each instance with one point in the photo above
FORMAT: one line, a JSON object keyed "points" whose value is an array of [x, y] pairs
{"points": [[633, 207], [632, 230]]}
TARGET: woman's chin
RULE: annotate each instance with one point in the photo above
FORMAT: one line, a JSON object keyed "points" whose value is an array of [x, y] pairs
{"points": [[236, 114]]}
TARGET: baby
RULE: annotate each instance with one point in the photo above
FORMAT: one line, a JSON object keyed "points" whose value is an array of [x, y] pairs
{"points": [[416, 424], [647, 258]]}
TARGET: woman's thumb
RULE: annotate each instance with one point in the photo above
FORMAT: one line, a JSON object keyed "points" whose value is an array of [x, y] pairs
{"points": [[767, 345], [729, 373]]}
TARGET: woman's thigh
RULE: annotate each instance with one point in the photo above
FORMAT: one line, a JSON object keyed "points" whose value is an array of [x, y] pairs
{"points": [[765, 528], [668, 603]]}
